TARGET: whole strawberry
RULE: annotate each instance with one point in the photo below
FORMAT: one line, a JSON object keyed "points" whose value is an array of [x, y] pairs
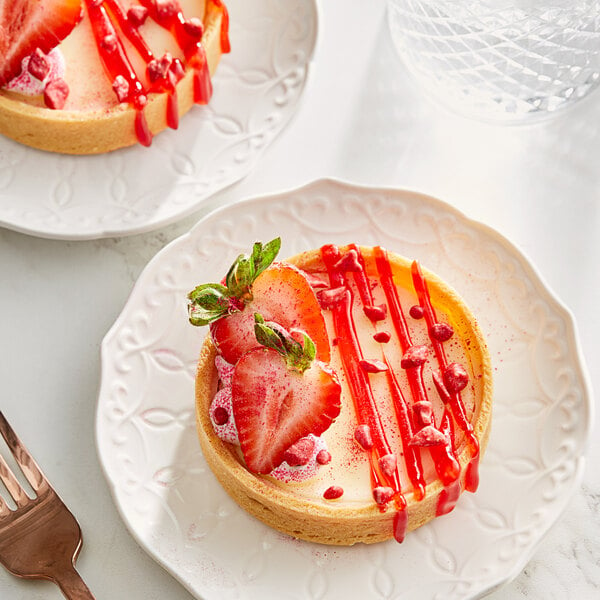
{"points": [[254, 284], [280, 394]]}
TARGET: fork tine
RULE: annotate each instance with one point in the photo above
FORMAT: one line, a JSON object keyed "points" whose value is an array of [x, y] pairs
{"points": [[30, 469], [12, 484], [4, 508]]}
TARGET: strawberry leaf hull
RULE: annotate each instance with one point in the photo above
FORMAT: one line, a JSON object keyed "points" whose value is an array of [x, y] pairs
{"points": [[281, 294]]}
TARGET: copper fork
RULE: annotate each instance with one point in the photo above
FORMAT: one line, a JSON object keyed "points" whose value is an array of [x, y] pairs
{"points": [[40, 538]]}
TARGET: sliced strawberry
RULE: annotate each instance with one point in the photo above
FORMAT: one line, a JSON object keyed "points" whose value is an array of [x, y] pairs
{"points": [[275, 405], [279, 292], [26, 25]]}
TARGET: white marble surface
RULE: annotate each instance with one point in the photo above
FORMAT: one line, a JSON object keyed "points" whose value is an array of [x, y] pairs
{"points": [[361, 120]]}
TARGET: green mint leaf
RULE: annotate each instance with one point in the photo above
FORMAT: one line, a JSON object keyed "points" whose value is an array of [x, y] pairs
{"points": [[208, 302]]}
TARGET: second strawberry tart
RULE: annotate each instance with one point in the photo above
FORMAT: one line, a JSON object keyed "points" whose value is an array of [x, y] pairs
{"points": [[343, 395], [91, 76]]}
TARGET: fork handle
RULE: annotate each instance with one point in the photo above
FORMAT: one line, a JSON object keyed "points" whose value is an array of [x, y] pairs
{"points": [[72, 585]]}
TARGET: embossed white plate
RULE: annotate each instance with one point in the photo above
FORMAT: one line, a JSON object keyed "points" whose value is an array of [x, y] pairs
{"points": [[172, 503], [256, 92]]}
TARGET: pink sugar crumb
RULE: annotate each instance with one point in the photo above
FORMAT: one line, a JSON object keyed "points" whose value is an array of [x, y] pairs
{"points": [[224, 370], [221, 404], [26, 83], [288, 474]]}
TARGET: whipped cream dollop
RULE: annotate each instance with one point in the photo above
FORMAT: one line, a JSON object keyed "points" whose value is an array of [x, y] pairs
{"points": [[223, 422], [26, 83]]}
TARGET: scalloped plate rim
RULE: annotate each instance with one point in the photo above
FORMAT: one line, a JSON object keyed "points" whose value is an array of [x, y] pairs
{"points": [[529, 266]]}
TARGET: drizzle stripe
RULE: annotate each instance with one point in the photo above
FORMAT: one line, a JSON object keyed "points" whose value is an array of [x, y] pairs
{"points": [[350, 353]]}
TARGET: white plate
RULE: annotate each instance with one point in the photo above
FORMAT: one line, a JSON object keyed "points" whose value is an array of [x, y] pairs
{"points": [[178, 512], [256, 91]]}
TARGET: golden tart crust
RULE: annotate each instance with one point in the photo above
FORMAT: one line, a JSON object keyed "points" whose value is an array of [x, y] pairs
{"points": [[102, 130], [319, 520]]}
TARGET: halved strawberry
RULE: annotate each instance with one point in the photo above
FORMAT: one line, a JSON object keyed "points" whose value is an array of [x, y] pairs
{"points": [[280, 395], [29, 24], [279, 292]]}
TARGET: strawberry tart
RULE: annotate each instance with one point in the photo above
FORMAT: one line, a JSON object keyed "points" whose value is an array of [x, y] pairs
{"points": [[91, 76], [343, 395]]}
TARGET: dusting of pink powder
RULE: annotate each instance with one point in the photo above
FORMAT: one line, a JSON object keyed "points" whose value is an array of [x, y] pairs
{"points": [[26, 83], [227, 431]]}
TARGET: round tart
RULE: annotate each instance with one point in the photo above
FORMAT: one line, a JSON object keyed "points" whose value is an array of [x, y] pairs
{"points": [[125, 71], [415, 398]]}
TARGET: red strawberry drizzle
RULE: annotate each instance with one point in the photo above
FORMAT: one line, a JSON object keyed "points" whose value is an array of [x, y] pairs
{"points": [[274, 406], [412, 457], [362, 394], [443, 448], [281, 294], [455, 403], [27, 26], [225, 45], [444, 459], [107, 16]]}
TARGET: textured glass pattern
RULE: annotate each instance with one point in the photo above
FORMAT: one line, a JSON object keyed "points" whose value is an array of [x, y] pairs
{"points": [[497, 59]]}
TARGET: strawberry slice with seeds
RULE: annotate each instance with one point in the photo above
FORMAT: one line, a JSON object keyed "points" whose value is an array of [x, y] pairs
{"points": [[280, 394], [254, 284], [26, 25]]}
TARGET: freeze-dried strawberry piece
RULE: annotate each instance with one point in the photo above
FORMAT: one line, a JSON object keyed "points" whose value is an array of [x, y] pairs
{"points": [[137, 15], [372, 365], [56, 94], [388, 463], [323, 457], [299, 454], [375, 313], [194, 27], [423, 412], [383, 494], [333, 492], [348, 262], [121, 88], [415, 356], [441, 332], [416, 312], [428, 436], [455, 377], [362, 434], [331, 297], [38, 65], [383, 337]]}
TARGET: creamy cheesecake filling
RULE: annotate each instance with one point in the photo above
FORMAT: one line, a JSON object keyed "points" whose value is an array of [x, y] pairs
{"points": [[350, 467], [89, 87]]}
